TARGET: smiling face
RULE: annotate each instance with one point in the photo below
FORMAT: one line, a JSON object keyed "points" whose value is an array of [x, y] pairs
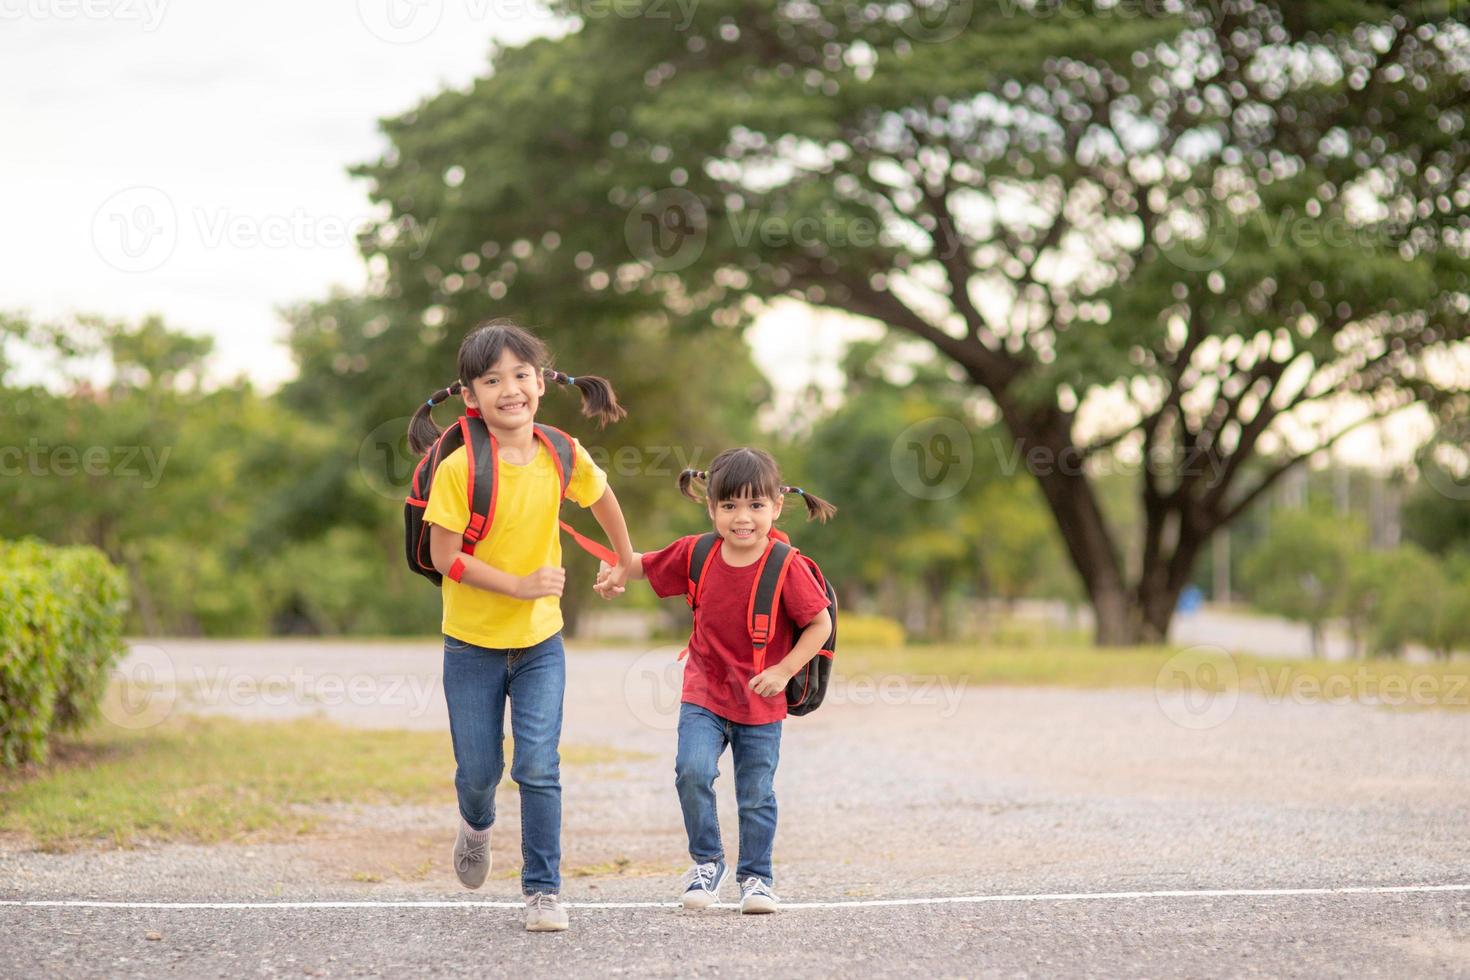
{"points": [[744, 522], [508, 394]]}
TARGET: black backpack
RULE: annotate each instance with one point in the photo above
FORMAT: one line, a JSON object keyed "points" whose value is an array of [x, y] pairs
{"points": [[805, 690], [483, 452]]}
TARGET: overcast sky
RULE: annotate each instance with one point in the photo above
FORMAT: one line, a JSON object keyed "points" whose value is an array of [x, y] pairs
{"points": [[189, 158]]}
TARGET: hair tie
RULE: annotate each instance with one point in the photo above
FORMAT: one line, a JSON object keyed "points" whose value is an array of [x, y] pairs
{"points": [[796, 490], [570, 380], [431, 401]]}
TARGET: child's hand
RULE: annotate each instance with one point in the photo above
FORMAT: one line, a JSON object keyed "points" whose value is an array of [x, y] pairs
{"points": [[611, 580], [542, 582], [770, 682]]}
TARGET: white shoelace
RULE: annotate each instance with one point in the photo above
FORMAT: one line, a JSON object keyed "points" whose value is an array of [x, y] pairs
{"points": [[703, 874], [754, 886]]}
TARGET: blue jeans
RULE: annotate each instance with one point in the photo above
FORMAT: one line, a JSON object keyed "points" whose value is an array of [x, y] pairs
{"points": [[756, 749], [477, 681]]}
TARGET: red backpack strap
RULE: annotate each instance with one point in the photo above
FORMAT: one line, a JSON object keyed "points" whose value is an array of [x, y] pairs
{"points": [[564, 455], [563, 452], [482, 462], [765, 597]]}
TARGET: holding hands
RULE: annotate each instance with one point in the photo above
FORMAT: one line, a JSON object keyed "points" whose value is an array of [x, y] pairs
{"points": [[612, 580]]}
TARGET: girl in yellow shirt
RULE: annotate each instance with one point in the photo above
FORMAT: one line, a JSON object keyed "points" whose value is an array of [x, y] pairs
{"points": [[502, 610]]}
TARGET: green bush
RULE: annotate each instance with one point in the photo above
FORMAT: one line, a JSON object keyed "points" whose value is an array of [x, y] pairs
{"points": [[854, 630], [61, 615]]}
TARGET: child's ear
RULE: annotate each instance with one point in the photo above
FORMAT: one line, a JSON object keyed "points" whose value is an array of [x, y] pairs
{"points": [[540, 383], [776, 508], [467, 392]]}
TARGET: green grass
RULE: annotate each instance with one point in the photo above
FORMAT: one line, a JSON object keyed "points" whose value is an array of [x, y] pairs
{"points": [[1390, 683], [215, 780]]}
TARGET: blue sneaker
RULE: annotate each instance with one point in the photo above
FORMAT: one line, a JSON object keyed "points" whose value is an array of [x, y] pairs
{"points": [[702, 884], [756, 897]]}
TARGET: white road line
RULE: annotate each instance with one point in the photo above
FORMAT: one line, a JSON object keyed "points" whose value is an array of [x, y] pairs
{"points": [[872, 903]]}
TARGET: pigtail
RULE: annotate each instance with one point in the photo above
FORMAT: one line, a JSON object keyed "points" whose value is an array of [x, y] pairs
{"points": [[817, 509], [686, 484], [422, 432], [598, 400]]}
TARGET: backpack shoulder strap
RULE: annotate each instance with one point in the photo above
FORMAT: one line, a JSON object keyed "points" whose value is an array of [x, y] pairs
{"points": [[482, 459], [766, 596], [564, 455], [563, 452], [699, 555]]}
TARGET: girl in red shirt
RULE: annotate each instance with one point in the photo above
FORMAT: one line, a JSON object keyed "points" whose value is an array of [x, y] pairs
{"points": [[725, 702]]}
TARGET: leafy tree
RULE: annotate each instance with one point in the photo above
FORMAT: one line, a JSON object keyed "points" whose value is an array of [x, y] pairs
{"points": [[1242, 224], [1300, 570]]}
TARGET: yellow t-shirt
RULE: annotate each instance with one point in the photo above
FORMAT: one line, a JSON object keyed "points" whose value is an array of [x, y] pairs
{"points": [[524, 536]]}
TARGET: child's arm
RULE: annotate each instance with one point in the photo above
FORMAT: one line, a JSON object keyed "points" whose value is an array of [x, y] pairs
{"points": [[773, 679], [610, 515], [445, 547]]}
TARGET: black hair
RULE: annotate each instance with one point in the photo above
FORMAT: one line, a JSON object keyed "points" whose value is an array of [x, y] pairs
{"points": [[747, 473], [482, 349]]}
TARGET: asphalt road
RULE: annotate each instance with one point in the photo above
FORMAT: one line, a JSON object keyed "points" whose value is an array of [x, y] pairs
{"points": [[899, 789]]}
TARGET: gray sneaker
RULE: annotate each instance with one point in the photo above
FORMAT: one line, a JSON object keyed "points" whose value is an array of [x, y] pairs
{"points": [[756, 897], [471, 857], [545, 913]]}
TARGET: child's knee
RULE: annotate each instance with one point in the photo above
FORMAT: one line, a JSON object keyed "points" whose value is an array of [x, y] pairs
{"points": [[540, 767], [694, 772]]}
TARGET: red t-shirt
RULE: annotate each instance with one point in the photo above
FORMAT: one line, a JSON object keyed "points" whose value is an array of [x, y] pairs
{"points": [[721, 658]]}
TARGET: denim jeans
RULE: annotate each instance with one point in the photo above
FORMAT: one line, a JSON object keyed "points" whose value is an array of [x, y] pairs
{"points": [[477, 681], [755, 749]]}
